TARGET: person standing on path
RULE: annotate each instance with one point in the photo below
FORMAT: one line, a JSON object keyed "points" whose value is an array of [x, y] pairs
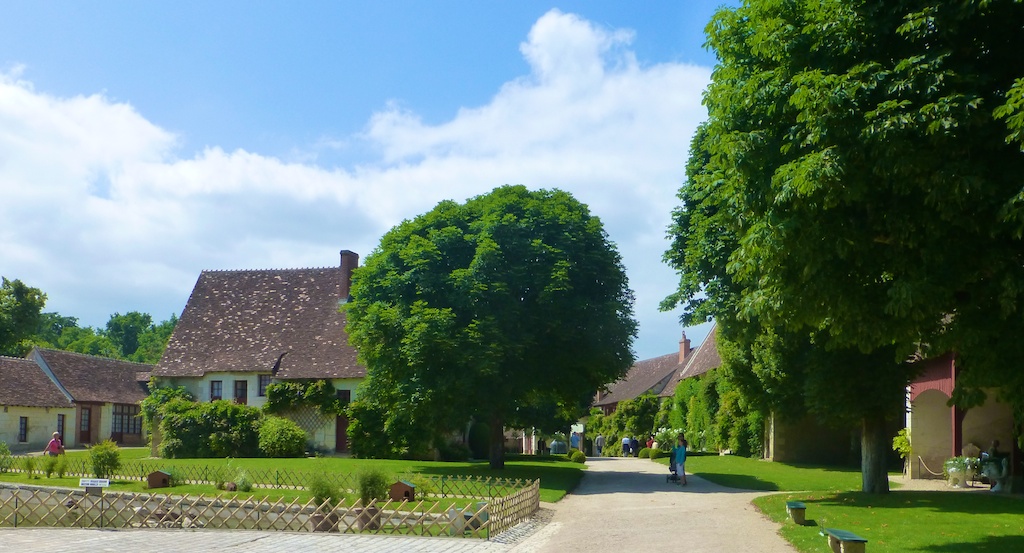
{"points": [[625, 446], [55, 447], [599, 444], [679, 458]]}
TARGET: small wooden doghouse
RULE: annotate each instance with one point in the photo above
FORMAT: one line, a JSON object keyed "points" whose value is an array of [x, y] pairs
{"points": [[402, 491], [159, 479]]}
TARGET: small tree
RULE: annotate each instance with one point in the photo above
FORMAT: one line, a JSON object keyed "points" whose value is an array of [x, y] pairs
{"points": [[105, 458]]}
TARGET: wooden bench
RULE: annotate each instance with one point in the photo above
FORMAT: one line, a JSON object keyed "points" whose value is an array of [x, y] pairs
{"points": [[842, 541], [797, 511]]}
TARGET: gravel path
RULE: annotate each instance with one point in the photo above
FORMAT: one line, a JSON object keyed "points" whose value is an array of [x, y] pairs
{"points": [[627, 501]]}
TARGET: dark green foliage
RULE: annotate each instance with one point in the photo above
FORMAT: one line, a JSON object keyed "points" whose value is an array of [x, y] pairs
{"points": [[479, 439], [291, 394], [216, 429], [28, 464], [854, 198], [281, 437], [716, 417], [105, 458], [511, 308], [453, 451], [49, 465], [21, 307], [372, 484], [324, 490], [124, 331], [366, 435], [152, 341], [158, 397], [6, 460], [578, 456]]}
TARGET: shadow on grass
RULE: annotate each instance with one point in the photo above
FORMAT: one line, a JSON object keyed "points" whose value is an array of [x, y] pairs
{"points": [[981, 503], [998, 544]]}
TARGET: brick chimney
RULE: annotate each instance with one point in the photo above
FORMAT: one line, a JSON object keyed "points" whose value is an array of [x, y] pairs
{"points": [[349, 261], [684, 349]]}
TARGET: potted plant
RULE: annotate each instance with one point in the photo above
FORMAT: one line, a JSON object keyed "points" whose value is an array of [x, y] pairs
{"points": [[325, 495], [960, 470], [373, 485]]}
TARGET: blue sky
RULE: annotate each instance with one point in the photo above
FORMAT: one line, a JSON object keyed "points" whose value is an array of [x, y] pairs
{"points": [[143, 142]]}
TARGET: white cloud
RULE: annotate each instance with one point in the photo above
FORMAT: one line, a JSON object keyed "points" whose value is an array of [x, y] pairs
{"points": [[104, 212]]}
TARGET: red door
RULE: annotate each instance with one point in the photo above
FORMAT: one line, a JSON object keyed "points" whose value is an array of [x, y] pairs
{"points": [[84, 429], [341, 435]]}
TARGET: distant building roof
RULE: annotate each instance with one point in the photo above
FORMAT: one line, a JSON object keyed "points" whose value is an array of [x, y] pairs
{"points": [[649, 375], [281, 321], [703, 360], [24, 384], [88, 378]]}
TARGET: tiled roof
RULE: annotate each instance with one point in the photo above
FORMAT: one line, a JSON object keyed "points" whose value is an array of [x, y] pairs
{"points": [[704, 359], [252, 321], [24, 384], [94, 379], [648, 375]]}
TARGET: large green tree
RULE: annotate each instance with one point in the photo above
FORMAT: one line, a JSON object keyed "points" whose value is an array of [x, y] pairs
{"points": [[511, 308], [857, 189], [21, 308]]}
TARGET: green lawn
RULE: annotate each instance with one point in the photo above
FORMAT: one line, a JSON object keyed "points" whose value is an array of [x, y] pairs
{"points": [[557, 476], [900, 521]]}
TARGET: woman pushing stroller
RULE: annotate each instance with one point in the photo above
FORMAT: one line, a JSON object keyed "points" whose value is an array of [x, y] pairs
{"points": [[677, 461]]}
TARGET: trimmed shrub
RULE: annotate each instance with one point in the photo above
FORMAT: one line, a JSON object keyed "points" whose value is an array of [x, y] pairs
{"points": [[655, 454], [216, 429], [28, 464], [281, 437], [578, 456], [480, 440], [105, 458], [6, 461], [372, 484], [49, 465], [645, 452], [322, 489]]}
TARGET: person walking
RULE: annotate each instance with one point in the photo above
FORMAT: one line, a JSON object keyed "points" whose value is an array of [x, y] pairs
{"points": [[634, 446], [679, 459], [625, 446], [599, 444], [55, 447]]}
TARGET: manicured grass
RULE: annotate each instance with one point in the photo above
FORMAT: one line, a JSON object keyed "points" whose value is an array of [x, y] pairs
{"points": [[755, 474], [557, 476], [900, 521]]}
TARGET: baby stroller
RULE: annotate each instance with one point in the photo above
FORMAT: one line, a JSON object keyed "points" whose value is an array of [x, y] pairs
{"points": [[673, 474]]}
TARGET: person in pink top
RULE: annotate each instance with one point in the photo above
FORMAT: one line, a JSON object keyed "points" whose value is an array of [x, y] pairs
{"points": [[55, 447]]}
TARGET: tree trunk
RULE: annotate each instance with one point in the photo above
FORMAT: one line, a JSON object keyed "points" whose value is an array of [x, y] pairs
{"points": [[873, 451], [497, 456]]}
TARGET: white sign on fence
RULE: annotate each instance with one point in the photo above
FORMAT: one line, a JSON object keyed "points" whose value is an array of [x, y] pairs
{"points": [[94, 482]]}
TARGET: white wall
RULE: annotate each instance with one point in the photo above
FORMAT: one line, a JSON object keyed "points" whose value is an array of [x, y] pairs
{"points": [[42, 423]]}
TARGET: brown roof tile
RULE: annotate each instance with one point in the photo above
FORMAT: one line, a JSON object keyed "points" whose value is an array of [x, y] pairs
{"points": [[24, 384], [644, 376], [249, 321], [93, 379], [703, 360]]}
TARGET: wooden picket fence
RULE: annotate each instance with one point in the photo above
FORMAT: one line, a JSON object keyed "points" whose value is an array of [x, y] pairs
{"points": [[31, 506], [429, 487]]}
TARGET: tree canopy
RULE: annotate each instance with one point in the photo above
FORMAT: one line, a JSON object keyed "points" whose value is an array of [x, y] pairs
{"points": [[511, 308], [23, 325], [20, 315], [855, 197]]}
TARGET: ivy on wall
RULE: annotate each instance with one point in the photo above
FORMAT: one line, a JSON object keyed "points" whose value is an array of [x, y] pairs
{"points": [[292, 394]]}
